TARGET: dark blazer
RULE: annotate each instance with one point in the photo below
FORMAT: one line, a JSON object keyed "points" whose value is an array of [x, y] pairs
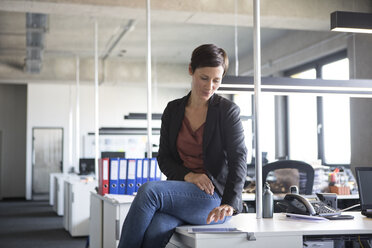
{"points": [[224, 150]]}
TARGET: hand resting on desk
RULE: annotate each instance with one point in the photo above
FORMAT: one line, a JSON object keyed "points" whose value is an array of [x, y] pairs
{"points": [[219, 213], [206, 185]]}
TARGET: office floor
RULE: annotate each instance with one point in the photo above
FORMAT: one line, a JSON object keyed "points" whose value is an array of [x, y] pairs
{"points": [[33, 224]]}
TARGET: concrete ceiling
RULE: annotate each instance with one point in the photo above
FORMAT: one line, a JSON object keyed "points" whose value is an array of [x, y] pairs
{"points": [[178, 26]]}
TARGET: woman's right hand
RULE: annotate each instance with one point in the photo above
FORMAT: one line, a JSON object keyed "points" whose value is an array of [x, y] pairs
{"points": [[201, 180]]}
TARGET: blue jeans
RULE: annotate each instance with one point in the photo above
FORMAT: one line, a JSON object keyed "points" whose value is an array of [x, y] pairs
{"points": [[160, 207]]}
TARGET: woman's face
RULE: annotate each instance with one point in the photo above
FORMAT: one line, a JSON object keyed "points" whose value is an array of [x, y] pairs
{"points": [[205, 81]]}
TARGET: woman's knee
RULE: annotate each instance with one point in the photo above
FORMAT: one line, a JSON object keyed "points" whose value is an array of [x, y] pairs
{"points": [[153, 187]]}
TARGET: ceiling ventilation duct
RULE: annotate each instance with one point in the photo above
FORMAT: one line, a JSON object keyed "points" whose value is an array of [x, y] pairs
{"points": [[36, 26]]}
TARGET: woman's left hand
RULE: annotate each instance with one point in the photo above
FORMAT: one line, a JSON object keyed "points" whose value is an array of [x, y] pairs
{"points": [[219, 213]]}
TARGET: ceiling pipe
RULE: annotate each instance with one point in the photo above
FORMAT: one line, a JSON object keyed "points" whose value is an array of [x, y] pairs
{"points": [[126, 28], [36, 26]]}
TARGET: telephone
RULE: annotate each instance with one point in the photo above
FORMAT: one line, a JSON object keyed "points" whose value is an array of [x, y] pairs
{"points": [[298, 204]]}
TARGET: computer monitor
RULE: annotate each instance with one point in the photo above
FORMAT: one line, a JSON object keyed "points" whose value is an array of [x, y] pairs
{"points": [[86, 166], [363, 177], [153, 154], [112, 154]]}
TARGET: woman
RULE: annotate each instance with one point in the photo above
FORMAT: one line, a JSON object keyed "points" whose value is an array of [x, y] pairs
{"points": [[202, 154]]}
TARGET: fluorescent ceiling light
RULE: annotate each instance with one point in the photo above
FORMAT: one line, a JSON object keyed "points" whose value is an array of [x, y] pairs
{"points": [[351, 22], [296, 85]]}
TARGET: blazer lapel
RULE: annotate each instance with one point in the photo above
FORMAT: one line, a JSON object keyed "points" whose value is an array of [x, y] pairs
{"points": [[177, 122], [211, 122]]}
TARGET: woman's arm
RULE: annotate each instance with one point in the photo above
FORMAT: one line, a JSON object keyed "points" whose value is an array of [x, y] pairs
{"points": [[236, 151], [171, 168], [236, 156]]}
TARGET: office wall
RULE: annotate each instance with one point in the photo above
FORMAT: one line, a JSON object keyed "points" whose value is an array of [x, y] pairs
{"points": [[47, 106], [53, 105], [360, 55], [13, 135]]}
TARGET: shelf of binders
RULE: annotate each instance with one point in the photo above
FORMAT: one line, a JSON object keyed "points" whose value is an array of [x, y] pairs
{"points": [[124, 176]]}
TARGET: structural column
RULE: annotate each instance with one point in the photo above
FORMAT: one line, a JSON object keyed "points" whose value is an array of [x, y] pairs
{"points": [[360, 108]]}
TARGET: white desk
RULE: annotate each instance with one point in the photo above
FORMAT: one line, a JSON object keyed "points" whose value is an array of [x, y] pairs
{"points": [[96, 220], [348, 197], [252, 197], [107, 214], [77, 206], [58, 194], [115, 209], [52, 186], [343, 201], [279, 231]]}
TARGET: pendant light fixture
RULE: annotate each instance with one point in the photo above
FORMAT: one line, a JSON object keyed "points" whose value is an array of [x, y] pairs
{"points": [[355, 22]]}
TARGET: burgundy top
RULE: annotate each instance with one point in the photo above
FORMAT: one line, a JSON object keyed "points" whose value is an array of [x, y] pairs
{"points": [[190, 146]]}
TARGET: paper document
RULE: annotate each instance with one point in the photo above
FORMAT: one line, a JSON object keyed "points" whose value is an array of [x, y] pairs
{"points": [[213, 230], [221, 230], [305, 217]]}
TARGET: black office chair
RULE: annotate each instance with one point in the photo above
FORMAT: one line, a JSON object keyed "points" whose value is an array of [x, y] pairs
{"points": [[306, 172]]}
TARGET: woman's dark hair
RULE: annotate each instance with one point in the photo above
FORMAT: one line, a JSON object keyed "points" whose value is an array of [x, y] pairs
{"points": [[209, 55]]}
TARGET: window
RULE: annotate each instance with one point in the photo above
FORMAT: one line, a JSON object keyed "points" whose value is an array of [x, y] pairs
{"points": [[307, 127], [302, 121], [244, 101], [308, 74], [336, 117], [319, 127], [267, 123]]}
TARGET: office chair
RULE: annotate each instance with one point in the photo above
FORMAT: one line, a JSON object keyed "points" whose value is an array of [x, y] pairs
{"points": [[305, 170]]}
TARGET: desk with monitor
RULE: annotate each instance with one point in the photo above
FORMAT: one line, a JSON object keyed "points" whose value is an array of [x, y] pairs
{"points": [[252, 197], [364, 175], [279, 231], [282, 231], [343, 201]]}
